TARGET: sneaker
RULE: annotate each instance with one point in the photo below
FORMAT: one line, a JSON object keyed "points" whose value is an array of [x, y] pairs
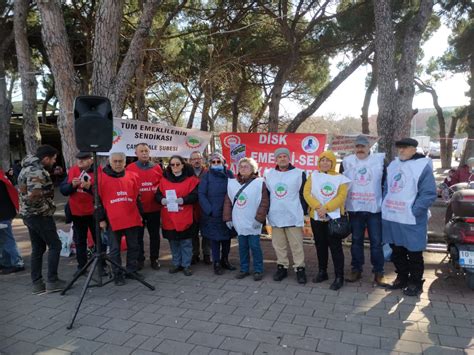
{"points": [[257, 276], [55, 286], [39, 287], [207, 260], [380, 280], [399, 283], [187, 271], [155, 265], [175, 269], [119, 280], [242, 274], [301, 275], [281, 273], [337, 284], [354, 276], [321, 276], [13, 269]]}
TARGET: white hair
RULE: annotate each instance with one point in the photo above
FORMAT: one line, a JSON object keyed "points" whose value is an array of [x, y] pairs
{"points": [[253, 164], [121, 154]]}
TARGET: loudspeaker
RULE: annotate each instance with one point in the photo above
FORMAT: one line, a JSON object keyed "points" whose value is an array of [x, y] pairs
{"points": [[94, 124]]}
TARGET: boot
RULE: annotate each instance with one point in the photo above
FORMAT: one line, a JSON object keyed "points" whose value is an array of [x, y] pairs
{"points": [[195, 259], [301, 275], [207, 260], [225, 264], [414, 288], [321, 276], [337, 284], [380, 280], [218, 269], [399, 283], [155, 265], [354, 276], [280, 274]]}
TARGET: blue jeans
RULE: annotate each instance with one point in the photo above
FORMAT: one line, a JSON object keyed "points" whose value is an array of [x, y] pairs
{"points": [[373, 222], [247, 243], [181, 251], [9, 254]]}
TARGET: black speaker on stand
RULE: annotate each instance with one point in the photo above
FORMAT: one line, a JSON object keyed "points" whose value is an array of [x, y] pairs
{"points": [[93, 128]]}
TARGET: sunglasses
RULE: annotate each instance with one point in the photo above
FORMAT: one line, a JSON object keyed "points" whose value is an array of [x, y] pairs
{"points": [[175, 164], [216, 161]]}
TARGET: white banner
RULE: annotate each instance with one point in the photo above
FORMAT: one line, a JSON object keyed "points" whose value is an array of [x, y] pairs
{"points": [[164, 141]]}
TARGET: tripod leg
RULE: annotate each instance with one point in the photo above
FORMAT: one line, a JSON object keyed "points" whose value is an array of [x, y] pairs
{"points": [[69, 285], [84, 289], [120, 267]]}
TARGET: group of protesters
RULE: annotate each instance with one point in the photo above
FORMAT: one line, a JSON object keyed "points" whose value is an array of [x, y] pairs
{"points": [[199, 210]]}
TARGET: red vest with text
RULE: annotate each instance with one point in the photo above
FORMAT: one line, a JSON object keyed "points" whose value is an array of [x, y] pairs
{"points": [[81, 202], [183, 219], [12, 192], [119, 198], [148, 180]]}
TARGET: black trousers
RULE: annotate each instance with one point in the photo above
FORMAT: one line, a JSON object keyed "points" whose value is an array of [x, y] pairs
{"points": [[409, 265], [323, 241], [201, 243], [131, 235], [42, 230], [152, 223], [81, 225]]}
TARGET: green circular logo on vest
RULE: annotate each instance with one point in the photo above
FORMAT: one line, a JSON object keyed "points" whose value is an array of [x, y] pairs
{"points": [[242, 200], [328, 189], [281, 190]]}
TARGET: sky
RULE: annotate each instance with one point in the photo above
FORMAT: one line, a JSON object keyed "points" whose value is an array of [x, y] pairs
{"points": [[348, 98]]}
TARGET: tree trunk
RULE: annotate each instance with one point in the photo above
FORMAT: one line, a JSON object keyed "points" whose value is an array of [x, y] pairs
{"points": [[385, 66], [133, 57], [44, 108], [469, 151], [31, 131], [205, 118], [5, 108], [449, 143], [274, 105], [140, 89], [329, 89], [368, 96], [55, 40], [106, 46], [194, 108]]}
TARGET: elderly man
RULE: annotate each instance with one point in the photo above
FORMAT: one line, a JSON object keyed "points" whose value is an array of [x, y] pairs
{"points": [[364, 201], [285, 184], [409, 191], [149, 176], [196, 161], [37, 208], [121, 212]]}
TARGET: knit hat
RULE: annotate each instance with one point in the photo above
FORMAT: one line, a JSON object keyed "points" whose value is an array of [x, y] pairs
{"points": [[217, 155], [282, 150], [46, 151]]}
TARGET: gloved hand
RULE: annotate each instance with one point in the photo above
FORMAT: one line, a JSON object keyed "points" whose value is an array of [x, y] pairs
{"points": [[229, 224], [179, 201], [256, 224], [164, 201]]}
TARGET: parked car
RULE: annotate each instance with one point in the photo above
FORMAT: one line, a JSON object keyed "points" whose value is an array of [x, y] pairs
{"points": [[434, 151]]}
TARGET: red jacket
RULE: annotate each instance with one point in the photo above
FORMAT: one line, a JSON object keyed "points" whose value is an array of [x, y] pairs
{"points": [[12, 192], [148, 180], [81, 202]]}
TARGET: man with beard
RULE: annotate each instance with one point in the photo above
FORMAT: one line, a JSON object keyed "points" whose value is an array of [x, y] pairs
{"points": [[37, 208]]}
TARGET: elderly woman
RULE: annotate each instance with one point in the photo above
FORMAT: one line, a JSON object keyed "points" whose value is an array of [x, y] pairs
{"points": [[325, 192], [212, 191], [245, 208], [177, 193]]}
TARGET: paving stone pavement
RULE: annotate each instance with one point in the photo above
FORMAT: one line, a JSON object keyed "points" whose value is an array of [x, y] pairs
{"points": [[209, 314]]}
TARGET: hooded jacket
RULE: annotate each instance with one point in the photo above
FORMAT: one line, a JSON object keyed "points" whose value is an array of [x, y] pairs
{"points": [[336, 202], [36, 189]]}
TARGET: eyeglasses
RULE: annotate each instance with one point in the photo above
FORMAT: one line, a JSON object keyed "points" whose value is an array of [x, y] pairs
{"points": [[175, 164], [216, 162], [245, 167]]}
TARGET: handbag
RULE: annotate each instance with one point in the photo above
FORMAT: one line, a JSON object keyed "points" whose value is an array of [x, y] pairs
{"points": [[339, 227], [233, 232]]}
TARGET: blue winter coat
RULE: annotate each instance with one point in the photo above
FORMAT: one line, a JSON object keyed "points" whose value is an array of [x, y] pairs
{"points": [[413, 237], [212, 191]]}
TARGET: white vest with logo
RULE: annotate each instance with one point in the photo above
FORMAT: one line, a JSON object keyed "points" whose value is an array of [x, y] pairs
{"points": [[324, 188], [285, 204], [402, 188], [365, 192], [246, 205]]}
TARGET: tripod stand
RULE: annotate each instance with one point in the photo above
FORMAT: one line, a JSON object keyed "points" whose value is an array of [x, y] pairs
{"points": [[99, 256]]}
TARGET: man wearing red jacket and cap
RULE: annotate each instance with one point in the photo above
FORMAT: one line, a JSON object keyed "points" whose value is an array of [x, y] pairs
{"points": [[10, 259], [119, 195], [149, 176]]}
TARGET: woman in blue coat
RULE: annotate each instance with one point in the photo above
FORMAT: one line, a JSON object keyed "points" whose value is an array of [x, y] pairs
{"points": [[212, 191]]}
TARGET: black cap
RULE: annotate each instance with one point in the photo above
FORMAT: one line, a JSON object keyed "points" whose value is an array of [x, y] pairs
{"points": [[406, 142], [84, 155]]}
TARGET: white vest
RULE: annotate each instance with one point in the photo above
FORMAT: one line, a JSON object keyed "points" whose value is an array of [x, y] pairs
{"points": [[285, 204], [246, 205], [402, 186], [324, 188], [365, 192]]}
